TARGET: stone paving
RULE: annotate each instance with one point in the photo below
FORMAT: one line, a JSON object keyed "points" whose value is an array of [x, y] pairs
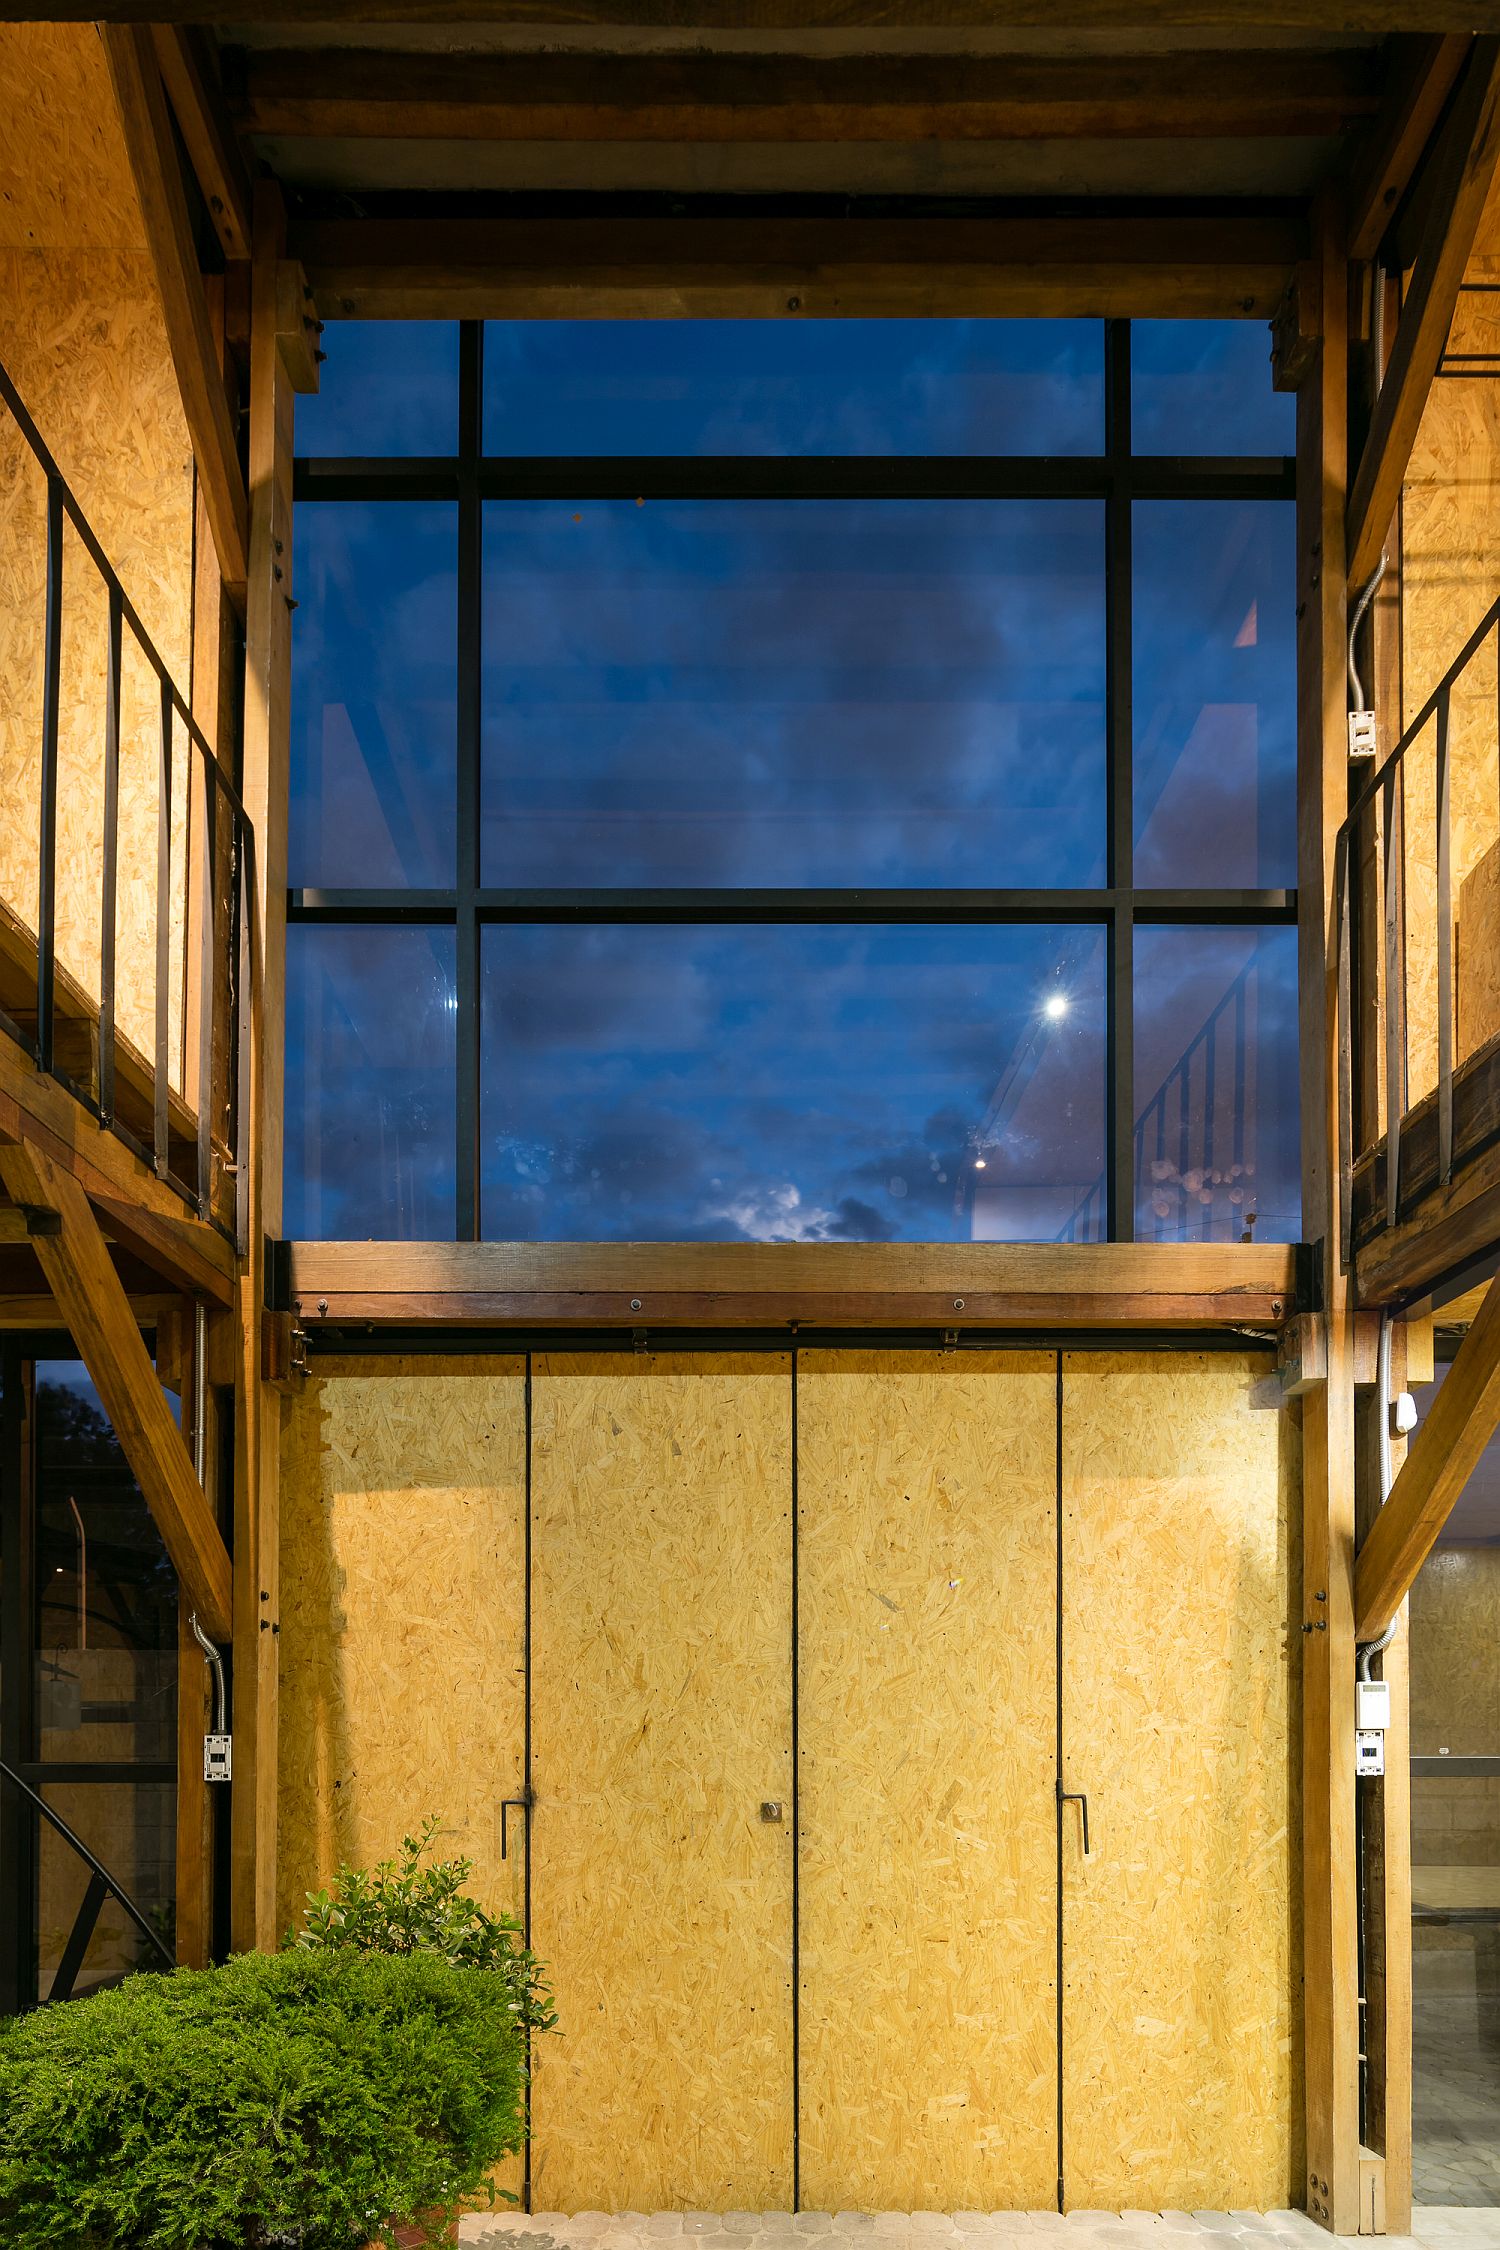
{"points": [[1445, 2228]]}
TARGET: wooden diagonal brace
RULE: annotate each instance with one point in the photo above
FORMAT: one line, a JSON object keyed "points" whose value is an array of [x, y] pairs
{"points": [[1460, 1423], [97, 1314]]}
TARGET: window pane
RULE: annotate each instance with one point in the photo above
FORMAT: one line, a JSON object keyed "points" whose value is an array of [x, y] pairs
{"points": [[1215, 687], [811, 387], [132, 1827], [370, 1075], [374, 694], [1204, 386], [1217, 1153], [780, 1083], [387, 387], [794, 692]]}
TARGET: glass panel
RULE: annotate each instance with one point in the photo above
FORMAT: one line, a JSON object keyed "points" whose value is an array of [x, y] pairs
{"points": [[810, 387], [374, 694], [131, 1826], [1455, 1848], [387, 387], [787, 1083], [794, 692], [1204, 386], [1215, 686], [106, 1594], [370, 1083], [1217, 1154]]}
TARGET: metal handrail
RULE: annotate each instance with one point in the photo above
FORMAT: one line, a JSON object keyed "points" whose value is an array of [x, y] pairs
{"points": [[102, 1885], [217, 788]]}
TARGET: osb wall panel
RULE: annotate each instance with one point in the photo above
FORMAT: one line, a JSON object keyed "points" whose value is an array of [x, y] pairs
{"points": [[661, 1699], [926, 1730], [1181, 2038], [402, 1616]]}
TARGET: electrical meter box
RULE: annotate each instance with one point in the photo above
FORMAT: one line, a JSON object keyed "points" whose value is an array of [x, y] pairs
{"points": [[217, 1757], [1362, 742], [1369, 1755], [1372, 1705]]}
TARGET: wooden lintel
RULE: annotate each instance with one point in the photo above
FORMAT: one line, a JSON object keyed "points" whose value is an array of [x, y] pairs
{"points": [[1461, 1420], [625, 1285], [98, 1316], [136, 1209], [1466, 159], [142, 102], [351, 93], [1423, 74], [207, 134], [1250, 17]]}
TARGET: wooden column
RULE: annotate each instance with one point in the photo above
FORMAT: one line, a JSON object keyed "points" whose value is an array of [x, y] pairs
{"points": [[265, 782], [1330, 1952]]}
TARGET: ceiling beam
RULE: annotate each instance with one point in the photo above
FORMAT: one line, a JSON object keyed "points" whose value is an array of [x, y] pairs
{"points": [[1466, 161], [1252, 17], [214, 153], [1461, 1420], [142, 103], [725, 267], [349, 93], [99, 1318], [1423, 73]]}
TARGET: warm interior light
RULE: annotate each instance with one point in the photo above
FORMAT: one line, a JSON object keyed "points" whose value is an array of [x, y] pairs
{"points": [[979, 1163], [1055, 1006]]}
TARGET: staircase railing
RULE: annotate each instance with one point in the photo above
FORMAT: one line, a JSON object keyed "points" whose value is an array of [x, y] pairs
{"points": [[101, 1886]]}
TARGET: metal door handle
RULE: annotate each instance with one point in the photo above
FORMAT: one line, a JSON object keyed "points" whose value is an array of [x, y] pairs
{"points": [[1078, 1798], [521, 1804]]}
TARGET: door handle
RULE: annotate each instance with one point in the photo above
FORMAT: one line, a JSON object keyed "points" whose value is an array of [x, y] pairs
{"points": [[523, 1803], [1076, 1797]]}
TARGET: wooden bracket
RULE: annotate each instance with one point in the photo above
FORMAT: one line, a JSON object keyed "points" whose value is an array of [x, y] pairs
{"points": [[1296, 329], [298, 327]]}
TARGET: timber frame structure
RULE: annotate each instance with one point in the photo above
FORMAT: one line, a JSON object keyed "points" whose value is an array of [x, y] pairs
{"points": [[269, 182]]}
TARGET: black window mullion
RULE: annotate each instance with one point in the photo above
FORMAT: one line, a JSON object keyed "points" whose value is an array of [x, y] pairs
{"points": [[17, 1741], [1120, 794], [470, 607]]}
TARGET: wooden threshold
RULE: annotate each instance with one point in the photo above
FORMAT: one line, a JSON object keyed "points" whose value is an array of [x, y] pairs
{"points": [[754, 1284]]}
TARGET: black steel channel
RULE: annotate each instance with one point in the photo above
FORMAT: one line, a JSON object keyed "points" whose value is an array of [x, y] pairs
{"points": [[796, 1819], [1342, 852], [17, 1848], [470, 613], [1120, 796], [1444, 945], [670, 904], [1395, 1074], [111, 871], [526, 1789], [46, 930], [1057, 1659], [208, 911], [163, 934]]}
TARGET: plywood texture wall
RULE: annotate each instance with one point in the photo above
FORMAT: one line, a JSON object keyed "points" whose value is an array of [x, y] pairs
{"points": [[1181, 2080], [402, 1615], [83, 338], [927, 1719]]}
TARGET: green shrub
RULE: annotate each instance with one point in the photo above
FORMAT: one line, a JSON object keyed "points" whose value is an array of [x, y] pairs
{"points": [[299, 2098], [404, 1907]]}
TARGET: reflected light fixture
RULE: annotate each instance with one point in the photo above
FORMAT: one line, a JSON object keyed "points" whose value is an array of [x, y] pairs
{"points": [[1055, 1006], [979, 1163]]}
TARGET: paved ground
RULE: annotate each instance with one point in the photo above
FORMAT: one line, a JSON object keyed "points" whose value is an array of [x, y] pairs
{"points": [[1456, 2096], [1446, 2228]]}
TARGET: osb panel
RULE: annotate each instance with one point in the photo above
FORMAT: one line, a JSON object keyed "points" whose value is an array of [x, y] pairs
{"points": [[1455, 1654], [67, 183], [926, 1730], [1181, 2038], [1479, 955], [661, 1721], [402, 1616]]}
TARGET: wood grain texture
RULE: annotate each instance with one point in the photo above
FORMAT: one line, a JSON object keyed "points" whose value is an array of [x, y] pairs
{"points": [[402, 1616], [927, 1580], [1181, 2062], [661, 1687]]}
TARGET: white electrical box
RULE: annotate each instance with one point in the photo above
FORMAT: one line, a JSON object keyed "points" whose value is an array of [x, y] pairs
{"points": [[217, 1757], [1403, 1414], [1362, 734], [1369, 1754], [1372, 1706]]}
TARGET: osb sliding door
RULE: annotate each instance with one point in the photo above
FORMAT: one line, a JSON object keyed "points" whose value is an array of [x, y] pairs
{"points": [[403, 1615], [661, 1724], [1180, 2038], [927, 1730]]}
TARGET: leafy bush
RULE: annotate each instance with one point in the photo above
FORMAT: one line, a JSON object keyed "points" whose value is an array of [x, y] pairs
{"points": [[301, 2098], [403, 1907]]}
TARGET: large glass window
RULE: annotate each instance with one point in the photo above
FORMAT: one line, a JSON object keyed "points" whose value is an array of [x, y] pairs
{"points": [[793, 780]]}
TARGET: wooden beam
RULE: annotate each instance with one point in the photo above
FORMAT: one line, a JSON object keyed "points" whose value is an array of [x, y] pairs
{"points": [[142, 103], [1467, 159], [748, 1284], [1423, 74], [351, 93], [188, 75], [1253, 17], [724, 267], [1461, 1420], [138, 1210], [98, 1316]]}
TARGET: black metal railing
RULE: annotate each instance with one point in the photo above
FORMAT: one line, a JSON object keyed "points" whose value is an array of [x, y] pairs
{"points": [[1374, 866], [101, 1885], [208, 903]]}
